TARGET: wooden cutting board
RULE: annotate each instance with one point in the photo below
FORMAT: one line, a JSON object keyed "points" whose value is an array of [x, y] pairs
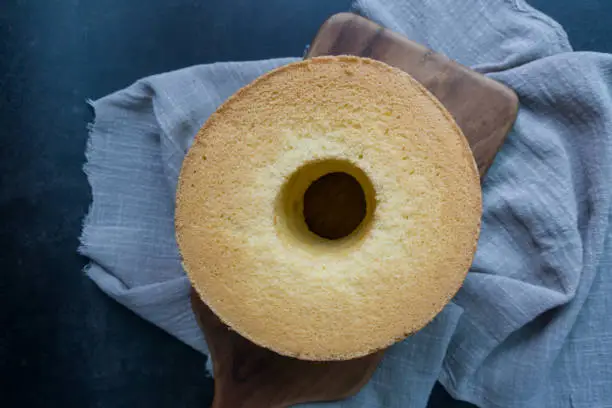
{"points": [[483, 108], [250, 376]]}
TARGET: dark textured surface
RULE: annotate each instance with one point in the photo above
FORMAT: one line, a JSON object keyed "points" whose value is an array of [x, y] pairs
{"points": [[588, 23], [62, 342]]}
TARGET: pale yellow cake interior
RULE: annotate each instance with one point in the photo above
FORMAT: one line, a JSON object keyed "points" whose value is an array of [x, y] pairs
{"points": [[240, 222]]}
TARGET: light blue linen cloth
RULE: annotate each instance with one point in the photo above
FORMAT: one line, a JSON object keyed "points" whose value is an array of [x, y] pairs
{"points": [[532, 325]]}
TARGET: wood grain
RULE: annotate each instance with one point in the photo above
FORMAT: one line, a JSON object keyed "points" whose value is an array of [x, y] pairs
{"points": [[250, 376], [483, 108], [247, 375]]}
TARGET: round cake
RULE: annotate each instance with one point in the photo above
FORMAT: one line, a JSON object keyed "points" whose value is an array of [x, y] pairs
{"points": [[328, 209]]}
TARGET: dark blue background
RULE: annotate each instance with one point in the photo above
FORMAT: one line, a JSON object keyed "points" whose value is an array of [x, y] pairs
{"points": [[62, 342]]}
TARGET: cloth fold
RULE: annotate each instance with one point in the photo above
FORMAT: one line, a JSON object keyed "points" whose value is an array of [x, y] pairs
{"points": [[530, 326]]}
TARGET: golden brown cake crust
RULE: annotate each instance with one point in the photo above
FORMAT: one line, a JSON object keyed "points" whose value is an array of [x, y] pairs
{"points": [[317, 301]]}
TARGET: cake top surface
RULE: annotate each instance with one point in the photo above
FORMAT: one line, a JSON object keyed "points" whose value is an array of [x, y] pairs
{"points": [[267, 270]]}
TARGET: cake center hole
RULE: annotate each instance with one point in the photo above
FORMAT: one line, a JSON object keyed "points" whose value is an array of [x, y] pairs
{"points": [[334, 205]]}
